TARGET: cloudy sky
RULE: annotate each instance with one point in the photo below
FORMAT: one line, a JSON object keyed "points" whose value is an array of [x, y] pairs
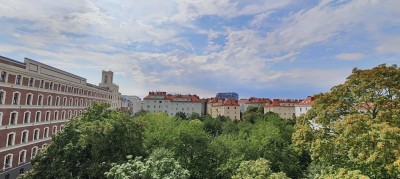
{"points": [[263, 48]]}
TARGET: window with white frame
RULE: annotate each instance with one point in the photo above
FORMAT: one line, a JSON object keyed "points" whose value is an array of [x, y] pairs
{"points": [[31, 81], [13, 118], [22, 157], [41, 84], [81, 102], [47, 116], [61, 127], [54, 130], [3, 76], [40, 100], [29, 98], [18, 79], [49, 100], [16, 97], [75, 113], [24, 136], [63, 115], [34, 152], [51, 86], [57, 101], [2, 96], [10, 139], [1, 118], [55, 115], [27, 117], [8, 159], [70, 102], [76, 102], [38, 116], [36, 134], [69, 114], [46, 132]]}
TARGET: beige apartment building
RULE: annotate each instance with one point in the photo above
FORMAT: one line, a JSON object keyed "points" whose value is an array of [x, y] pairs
{"points": [[223, 107], [284, 108]]}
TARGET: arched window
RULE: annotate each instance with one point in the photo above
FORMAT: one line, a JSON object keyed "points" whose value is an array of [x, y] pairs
{"points": [[63, 115], [70, 102], [36, 134], [13, 118], [49, 100], [81, 102], [64, 101], [38, 116], [29, 98], [47, 116], [40, 100], [55, 115], [54, 129], [57, 101], [27, 117], [10, 139], [76, 102], [8, 159], [22, 157], [24, 136], [46, 132], [34, 152]]}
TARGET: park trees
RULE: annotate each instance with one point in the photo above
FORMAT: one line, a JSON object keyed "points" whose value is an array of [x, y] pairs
{"points": [[355, 126], [88, 145]]}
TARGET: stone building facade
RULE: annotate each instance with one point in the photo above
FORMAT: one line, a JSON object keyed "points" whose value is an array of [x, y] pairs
{"points": [[36, 100]]}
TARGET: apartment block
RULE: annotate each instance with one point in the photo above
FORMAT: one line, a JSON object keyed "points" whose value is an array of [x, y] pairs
{"points": [[223, 107], [36, 100], [285, 108], [173, 103]]}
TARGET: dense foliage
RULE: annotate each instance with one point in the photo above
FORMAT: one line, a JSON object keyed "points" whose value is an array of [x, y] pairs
{"points": [[351, 132], [354, 129], [97, 145]]}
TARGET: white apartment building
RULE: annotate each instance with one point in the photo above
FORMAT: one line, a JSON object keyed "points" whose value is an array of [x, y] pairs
{"points": [[171, 104], [134, 103], [304, 106]]}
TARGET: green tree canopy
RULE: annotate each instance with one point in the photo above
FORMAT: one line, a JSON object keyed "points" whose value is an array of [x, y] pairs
{"points": [[356, 125], [88, 145]]}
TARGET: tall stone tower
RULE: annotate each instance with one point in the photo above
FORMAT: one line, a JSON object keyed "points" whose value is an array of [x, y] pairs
{"points": [[107, 82], [107, 77]]}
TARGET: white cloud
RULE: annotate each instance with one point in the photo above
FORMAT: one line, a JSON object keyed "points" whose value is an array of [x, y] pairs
{"points": [[350, 56]]}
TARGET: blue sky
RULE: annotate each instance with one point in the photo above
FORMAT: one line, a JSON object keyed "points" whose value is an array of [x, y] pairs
{"points": [[262, 48]]}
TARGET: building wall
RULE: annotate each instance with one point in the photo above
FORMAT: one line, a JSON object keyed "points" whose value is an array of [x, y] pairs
{"points": [[301, 109], [63, 96], [285, 112], [232, 112], [172, 107]]}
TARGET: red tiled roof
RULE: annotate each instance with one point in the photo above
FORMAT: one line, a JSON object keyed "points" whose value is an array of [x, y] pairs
{"points": [[173, 97], [223, 102], [308, 101], [258, 100], [279, 102]]}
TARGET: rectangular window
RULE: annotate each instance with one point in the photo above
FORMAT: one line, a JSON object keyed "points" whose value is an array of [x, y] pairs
{"points": [[41, 83], [31, 81], [3, 76], [2, 96], [16, 99], [51, 86], [18, 80]]}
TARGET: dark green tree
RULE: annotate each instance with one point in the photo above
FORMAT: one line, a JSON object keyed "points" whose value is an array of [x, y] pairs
{"points": [[88, 145]]}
